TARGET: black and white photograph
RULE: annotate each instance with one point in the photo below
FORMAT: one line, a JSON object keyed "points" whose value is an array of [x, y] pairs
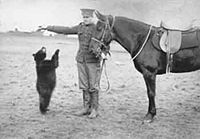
{"points": [[99, 69]]}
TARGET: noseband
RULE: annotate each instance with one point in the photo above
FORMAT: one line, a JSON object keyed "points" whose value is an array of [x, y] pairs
{"points": [[107, 25]]}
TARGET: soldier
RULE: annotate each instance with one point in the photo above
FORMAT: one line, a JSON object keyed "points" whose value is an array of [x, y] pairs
{"points": [[89, 68]]}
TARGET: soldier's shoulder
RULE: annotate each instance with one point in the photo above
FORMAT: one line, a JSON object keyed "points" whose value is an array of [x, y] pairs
{"points": [[93, 25]]}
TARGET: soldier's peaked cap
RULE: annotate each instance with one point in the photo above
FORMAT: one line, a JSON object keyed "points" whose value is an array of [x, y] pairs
{"points": [[87, 12]]}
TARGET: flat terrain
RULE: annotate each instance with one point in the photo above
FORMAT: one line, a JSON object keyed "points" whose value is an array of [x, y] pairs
{"points": [[121, 110]]}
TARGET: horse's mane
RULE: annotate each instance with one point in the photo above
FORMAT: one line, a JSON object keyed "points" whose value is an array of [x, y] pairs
{"points": [[136, 22], [133, 21]]}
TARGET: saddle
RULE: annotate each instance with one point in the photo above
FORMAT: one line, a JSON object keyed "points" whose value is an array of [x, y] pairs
{"points": [[171, 40]]}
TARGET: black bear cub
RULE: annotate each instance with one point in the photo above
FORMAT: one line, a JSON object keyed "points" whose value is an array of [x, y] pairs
{"points": [[46, 77]]}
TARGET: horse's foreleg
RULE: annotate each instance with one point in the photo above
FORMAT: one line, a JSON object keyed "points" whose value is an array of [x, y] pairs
{"points": [[150, 80]]}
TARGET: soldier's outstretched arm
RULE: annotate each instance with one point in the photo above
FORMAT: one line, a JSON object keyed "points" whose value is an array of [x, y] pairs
{"points": [[61, 29]]}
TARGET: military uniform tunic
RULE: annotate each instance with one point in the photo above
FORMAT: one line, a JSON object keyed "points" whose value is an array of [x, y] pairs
{"points": [[88, 64], [84, 36]]}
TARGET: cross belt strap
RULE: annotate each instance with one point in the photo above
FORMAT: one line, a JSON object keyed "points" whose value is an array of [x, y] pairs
{"points": [[143, 44]]}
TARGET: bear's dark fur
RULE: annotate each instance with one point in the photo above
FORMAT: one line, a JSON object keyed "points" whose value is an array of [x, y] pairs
{"points": [[46, 77]]}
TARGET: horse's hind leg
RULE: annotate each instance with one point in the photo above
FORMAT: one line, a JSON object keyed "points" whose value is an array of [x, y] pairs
{"points": [[150, 80]]}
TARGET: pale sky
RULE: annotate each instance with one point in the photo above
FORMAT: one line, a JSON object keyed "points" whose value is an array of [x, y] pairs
{"points": [[27, 15]]}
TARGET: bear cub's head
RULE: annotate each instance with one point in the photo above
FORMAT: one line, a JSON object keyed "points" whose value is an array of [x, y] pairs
{"points": [[40, 55]]}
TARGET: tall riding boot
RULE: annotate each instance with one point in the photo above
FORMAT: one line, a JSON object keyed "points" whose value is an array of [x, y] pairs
{"points": [[86, 104], [94, 105]]}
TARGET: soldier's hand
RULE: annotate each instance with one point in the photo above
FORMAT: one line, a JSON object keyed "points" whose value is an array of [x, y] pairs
{"points": [[43, 27], [103, 56]]}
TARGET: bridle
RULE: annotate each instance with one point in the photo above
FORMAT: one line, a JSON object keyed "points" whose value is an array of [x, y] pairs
{"points": [[101, 42], [107, 26], [110, 27]]}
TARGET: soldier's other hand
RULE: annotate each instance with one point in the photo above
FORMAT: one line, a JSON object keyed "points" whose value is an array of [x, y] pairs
{"points": [[43, 27], [103, 56]]}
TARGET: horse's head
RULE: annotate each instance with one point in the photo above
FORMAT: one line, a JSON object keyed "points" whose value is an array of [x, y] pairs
{"points": [[102, 35]]}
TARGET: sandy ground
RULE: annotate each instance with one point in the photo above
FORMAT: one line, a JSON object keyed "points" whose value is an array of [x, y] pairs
{"points": [[121, 111]]}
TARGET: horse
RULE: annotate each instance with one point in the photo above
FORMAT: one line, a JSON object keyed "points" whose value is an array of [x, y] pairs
{"points": [[137, 38]]}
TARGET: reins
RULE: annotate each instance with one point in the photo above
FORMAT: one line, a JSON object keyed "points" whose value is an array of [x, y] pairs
{"points": [[105, 71], [102, 43], [98, 41]]}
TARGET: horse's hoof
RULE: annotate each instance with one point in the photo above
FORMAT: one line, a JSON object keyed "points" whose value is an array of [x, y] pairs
{"points": [[148, 118], [44, 111], [147, 121]]}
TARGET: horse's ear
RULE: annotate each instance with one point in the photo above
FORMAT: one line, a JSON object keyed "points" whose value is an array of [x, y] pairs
{"points": [[99, 15]]}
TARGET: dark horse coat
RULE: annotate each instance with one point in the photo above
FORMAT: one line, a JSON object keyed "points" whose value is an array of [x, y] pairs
{"points": [[139, 40], [46, 76]]}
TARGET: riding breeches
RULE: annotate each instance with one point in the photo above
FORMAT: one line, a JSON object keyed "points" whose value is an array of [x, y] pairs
{"points": [[89, 75]]}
